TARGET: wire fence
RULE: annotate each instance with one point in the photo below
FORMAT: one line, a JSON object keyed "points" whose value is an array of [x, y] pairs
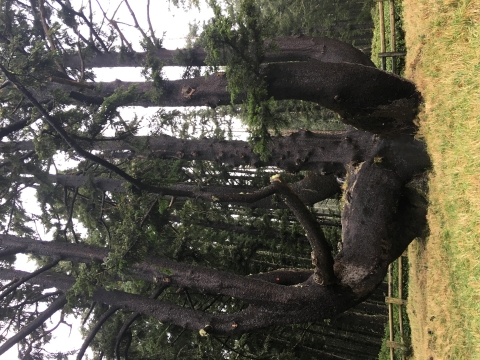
{"points": [[391, 301]]}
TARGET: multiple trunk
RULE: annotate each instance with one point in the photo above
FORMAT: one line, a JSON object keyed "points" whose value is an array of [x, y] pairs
{"points": [[380, 215]]}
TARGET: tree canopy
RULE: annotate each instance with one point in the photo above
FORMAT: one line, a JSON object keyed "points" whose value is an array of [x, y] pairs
{"points": [[178, 240]]}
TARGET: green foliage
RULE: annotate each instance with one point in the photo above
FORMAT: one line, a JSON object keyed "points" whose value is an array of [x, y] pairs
{"points": [[238, 41]]}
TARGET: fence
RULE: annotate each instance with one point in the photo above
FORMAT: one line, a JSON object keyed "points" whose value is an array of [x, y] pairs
{"points": [[390, 300]]}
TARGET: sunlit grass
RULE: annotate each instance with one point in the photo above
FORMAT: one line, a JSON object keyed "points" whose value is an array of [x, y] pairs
{"points": [[443, 59]]}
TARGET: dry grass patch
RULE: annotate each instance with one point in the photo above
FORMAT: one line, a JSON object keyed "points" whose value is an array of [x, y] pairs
{"points": [[443, 42]]}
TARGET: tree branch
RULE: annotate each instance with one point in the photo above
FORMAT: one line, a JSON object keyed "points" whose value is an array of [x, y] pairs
{"points": [[11, 251], [321, 253], [105, 316], [145, 36], [33, 325], [30, 276], [12, 127], [132, 319], [88, 23]]}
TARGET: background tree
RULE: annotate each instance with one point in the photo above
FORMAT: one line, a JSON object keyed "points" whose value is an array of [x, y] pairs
{"points": [[225, 248]]}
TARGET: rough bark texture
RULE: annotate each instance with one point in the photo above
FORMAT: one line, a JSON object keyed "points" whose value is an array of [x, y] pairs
{"points": [[365, 97], [359, 270], [303, 150], [300, 48], [35, 324]]}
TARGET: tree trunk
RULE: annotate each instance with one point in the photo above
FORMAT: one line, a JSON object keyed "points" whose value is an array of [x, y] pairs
{"points": [[286, 49], [365, 97]]}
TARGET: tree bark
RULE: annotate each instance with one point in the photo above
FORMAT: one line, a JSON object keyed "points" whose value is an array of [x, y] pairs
{"points": [[35, 324], [365, 97], [287, 49], [303, 150]]}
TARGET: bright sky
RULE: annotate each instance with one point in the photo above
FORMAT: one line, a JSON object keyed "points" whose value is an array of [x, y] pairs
{"points": [[165, 19]]}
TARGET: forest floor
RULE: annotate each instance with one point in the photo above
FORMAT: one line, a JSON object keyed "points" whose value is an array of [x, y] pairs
{"points": [[443, 59]]}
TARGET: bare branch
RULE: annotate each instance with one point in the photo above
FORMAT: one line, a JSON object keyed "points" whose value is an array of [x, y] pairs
{"points": [[70, 215], [30, 276], [48, 35], [115, 26], [145, 36], [32, 326], [105, 316], [152, 33]]}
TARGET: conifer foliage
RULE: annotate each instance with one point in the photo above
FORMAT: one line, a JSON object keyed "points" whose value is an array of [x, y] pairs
{"points": [[183, 242]]}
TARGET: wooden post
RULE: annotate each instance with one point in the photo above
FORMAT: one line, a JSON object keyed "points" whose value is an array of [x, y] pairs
{"points": [[382, 34], [400, 295], [390, 309], [392, 34]]}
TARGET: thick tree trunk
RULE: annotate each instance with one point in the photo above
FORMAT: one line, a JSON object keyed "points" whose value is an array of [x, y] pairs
{"points": [[302, 150], [365, 97], [286, 49], [360, 267]]}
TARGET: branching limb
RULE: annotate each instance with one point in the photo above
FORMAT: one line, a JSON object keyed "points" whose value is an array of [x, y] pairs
{"points": [[105, 316], [252, 197], [11, 251], [35, 324], [115, 26], [321, 254], [30, 276], [137, 26], [88, 23], [48, 34], [132, 319]]}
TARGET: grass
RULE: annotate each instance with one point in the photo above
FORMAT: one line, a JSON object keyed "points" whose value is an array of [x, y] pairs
{"points": [[400, 66], [443, 59]]}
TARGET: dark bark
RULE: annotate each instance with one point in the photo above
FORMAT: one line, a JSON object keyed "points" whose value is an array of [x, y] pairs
{"points": [[365, 97], [12, 127], [98, 325], [292, 48], [302, 150], [16, 284], [132, 319], [359, 275], [312, 189], [321, 251], [58, 304]]}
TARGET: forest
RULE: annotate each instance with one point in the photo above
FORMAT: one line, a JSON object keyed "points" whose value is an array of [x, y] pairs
{"points": [[165, 234]]}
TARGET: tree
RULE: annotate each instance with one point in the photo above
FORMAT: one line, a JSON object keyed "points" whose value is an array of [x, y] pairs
{"points": [[188, 219]]}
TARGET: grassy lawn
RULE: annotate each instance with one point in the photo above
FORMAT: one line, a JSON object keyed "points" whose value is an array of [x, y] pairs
{"points": [[443, 59]]}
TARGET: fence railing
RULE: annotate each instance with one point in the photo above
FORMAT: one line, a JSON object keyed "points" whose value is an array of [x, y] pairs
{"points": [[399, 302], [383, 52]]}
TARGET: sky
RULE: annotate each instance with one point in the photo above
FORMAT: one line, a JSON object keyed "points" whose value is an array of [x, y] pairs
{"points": [[166, 19]]}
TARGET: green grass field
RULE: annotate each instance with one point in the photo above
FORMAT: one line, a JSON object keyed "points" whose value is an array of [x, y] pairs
{"points": [[443, 59]]}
